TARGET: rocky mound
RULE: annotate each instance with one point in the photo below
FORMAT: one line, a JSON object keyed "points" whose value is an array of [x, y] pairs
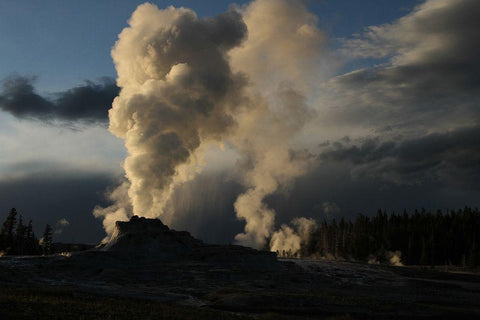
{"points": [[151, 239], [148, 236]]}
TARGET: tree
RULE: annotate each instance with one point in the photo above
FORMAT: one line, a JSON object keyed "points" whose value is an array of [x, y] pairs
{"points": [[31, 243], [47, 240], [20, 237], [7, 234]]}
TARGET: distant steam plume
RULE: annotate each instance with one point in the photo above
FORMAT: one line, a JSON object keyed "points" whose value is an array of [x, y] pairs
{"points": [[264, 138], [278, 57], [187, 82], [61, 225], [288, 241]]}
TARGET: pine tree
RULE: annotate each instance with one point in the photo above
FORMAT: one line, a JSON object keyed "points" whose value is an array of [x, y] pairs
{"points": [[20, 237], [7, 234], [47, 247], [424, 253], [31, 243], [324, 238]]}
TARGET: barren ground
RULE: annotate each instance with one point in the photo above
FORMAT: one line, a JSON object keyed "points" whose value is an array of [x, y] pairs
{"points": [[99, 285]]}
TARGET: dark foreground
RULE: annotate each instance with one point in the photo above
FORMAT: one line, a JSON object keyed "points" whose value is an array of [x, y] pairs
{"points": [[97, 285]]}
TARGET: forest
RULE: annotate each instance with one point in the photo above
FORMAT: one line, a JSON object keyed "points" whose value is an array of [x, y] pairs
{"points": [[16, 238], [421, 238]]}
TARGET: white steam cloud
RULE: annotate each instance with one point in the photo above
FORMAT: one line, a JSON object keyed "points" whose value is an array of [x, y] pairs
{"points": [[177, 91], [288, 242], [243, 78], [283, 42], [61, 225], [120, 210]]}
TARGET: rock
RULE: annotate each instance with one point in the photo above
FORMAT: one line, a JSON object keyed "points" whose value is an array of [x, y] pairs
{"points": [[143, 238]]}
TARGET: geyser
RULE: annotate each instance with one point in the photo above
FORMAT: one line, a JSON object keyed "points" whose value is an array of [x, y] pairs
{"points": [[144, 238], [234, 79]]}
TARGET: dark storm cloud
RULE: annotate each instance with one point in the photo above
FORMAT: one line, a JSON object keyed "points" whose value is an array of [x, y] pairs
{"points": [[431, 77], [450, 158], [420, 107], [332, 182], [205, 203], [89, 102], [50, 196], [18, 97]]}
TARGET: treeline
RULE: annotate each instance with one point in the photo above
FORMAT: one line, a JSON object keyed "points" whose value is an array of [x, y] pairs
{"points": [[17, 238], [423, 238]]}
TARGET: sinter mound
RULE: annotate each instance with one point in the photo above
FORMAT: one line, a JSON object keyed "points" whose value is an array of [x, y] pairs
{"points": [[151, 239]]}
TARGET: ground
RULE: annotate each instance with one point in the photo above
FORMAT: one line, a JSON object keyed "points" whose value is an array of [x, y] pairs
{"points": [[100, 285]]}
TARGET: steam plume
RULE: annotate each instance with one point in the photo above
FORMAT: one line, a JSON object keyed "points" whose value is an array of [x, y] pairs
{"points": [[283, 42], [61, 225], [177, 91], [186, 82], [288, 241]]}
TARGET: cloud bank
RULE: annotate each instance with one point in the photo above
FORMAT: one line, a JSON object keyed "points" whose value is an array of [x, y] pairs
{"points": [[429, 81], [88, 103], [420, 106], [451, 158]]}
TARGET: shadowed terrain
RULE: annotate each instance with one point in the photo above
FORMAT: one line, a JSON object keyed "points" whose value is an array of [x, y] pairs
{"points": [[172, 269]]}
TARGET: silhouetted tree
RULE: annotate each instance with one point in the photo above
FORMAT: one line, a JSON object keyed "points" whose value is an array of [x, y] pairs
{"points": [[7, 234], [47, 240], [31, 242], [19, 245]]}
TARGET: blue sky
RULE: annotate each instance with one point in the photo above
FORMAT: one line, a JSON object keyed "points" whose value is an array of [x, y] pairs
{"points": [[66, 42]]}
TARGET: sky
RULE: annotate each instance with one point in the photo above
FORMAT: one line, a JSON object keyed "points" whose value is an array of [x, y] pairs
{"points": [[364, 105], [43, 38]]}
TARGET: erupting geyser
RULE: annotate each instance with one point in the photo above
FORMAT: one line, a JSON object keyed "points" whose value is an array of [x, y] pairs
{"points": [[239, 79], [177, 91]]}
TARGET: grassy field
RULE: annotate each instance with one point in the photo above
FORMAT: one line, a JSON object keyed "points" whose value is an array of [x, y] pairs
{"points": [[66, 303]]}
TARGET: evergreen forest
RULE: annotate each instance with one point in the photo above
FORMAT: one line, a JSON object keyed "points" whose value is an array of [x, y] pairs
{"points": [[421, 238]]}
